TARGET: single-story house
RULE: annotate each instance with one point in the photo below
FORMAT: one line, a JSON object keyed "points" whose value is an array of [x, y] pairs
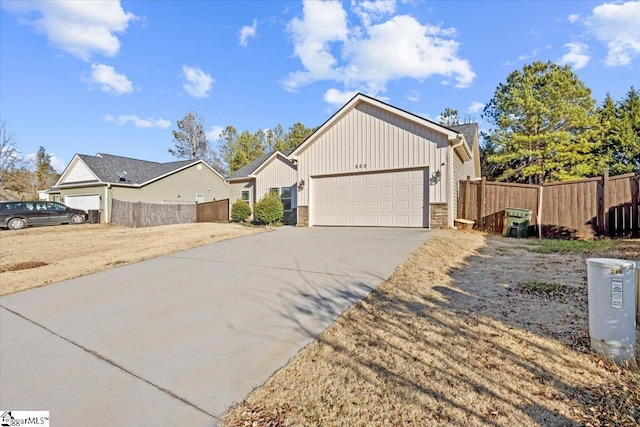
{"points": [[92, 182], [270, 173], [373, 164]]}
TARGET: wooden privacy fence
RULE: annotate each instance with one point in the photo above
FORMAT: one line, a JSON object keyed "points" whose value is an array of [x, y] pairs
{"points": [[138, 214], [217, 210], [602, 206]]}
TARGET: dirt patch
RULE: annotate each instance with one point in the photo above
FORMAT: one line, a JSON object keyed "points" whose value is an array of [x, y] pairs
{"points": [[22, 266], [452, 337], [68, 251]]}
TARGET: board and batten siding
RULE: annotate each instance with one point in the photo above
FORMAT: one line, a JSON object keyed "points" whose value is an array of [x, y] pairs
{"points": [[179, 187], [278, 173], [459, 171], [368, 139], [236, 188], [79, 173]]}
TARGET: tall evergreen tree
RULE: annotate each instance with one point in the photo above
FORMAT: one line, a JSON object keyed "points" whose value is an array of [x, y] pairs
{"points": [[449, 117], [296, 136], [543, 120], [45, 174]]}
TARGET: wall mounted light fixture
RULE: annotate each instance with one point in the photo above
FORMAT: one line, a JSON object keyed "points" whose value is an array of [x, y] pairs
{"points": [[301, 185]]}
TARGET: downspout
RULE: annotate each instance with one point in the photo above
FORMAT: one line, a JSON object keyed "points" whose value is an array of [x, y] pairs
{"points": [[450, 218], [106, 203]]}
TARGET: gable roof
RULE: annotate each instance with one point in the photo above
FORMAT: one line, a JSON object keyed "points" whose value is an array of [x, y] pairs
{"points": [[249, 169], [119, 170], [452, 135]]}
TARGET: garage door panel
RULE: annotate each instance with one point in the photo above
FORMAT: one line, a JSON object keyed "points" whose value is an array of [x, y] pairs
{"points": [[85, 202], [383, 199]]}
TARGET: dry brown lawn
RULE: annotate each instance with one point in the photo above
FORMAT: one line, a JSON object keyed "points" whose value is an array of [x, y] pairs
{"points": [[41, 255], [455, 337]]}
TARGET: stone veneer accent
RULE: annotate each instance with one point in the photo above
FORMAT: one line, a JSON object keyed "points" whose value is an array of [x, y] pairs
{"points": [[303, 216], [438, 216], [290, 218]]}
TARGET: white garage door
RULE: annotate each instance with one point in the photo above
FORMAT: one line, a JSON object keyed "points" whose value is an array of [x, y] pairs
{"points": [[390, 199], [84, 202]]}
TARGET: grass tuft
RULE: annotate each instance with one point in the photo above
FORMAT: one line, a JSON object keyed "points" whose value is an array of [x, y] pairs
{"points": [[550, 246], [533, 286]]}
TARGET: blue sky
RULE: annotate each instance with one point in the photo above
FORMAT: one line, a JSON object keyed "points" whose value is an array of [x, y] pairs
{"points": [[115, 76]]}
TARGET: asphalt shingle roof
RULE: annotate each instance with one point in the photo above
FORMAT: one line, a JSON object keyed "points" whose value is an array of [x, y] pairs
{"points": [[249, 168], [110, 168], [469, 130]]}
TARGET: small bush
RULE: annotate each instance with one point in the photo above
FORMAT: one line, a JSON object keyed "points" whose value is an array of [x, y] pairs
{"points": [[240, 211], [269, 210]]}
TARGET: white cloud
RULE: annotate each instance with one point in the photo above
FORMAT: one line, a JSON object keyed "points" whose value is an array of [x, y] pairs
{"points": [[323, 23], [369, 11], [530, 55], [414, 96], [338, 98], [617, 26], [109, 80], [475, 107], [214, 133], [573, 18], [137, 121], [366, 59], [248, 32], [80, 28], [198, 82], [577, 56]]}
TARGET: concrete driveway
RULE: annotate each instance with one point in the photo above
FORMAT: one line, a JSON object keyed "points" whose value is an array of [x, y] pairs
{"points": [[178, 339]]}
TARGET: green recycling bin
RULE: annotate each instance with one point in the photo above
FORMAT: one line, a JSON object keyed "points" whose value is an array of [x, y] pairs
{"points": [[516, 222]]}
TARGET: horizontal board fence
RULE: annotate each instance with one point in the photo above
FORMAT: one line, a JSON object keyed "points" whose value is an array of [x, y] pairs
{"points": [[138, 214], [601, 206], [218, 210]]}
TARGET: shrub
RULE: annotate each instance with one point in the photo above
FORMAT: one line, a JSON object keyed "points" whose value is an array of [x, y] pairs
{"points": [[240, 210], [269, 210]]}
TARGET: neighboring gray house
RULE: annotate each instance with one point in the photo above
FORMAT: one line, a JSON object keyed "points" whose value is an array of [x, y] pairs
{"points": [[372, 164], [92, 182], [270, 173]]}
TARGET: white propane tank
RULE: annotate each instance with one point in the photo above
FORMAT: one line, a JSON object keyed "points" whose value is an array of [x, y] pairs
{"points": [[612, 307]]}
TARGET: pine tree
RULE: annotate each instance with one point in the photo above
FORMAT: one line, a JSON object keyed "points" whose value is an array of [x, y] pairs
{"points": [[544, 122]]}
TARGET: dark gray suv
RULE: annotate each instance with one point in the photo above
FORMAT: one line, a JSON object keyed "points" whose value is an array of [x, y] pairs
{"points": [[17, 215]]}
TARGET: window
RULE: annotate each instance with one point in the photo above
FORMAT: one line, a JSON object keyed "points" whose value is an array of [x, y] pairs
{"points": [[285, 197], [199, 197], [275, 191], [55, 207], [245, 195]]}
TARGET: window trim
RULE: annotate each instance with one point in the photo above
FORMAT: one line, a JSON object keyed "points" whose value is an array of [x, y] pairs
{"points": [[248, 193], [275, 191], [290, 198]]}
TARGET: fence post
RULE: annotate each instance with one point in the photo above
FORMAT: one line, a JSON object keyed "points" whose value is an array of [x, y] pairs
{"points": [[605, 202], [482, 188], [467, 198], [635, 205]]}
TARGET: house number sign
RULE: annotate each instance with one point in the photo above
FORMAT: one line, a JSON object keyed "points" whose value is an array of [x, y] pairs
{"points": [[361, 166]]}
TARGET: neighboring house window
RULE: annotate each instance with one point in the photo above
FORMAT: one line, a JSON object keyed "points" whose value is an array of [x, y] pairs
{"points": [[274, 191], [245, 195], [285, 197], [56, 198], [199, 198]]}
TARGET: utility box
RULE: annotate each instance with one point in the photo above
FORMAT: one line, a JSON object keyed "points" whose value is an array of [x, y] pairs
{"points": [[516, 222], [612, 307], [93, 216]]}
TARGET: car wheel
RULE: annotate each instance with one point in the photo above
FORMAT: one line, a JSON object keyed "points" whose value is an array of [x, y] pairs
{"points": [[17, 223], [77, 219]]}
